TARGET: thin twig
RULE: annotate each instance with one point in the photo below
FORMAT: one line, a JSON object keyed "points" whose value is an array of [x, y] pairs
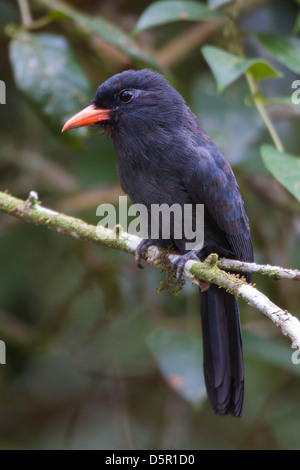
{"points": [[253, 87], [25, 13], [253, 84]]}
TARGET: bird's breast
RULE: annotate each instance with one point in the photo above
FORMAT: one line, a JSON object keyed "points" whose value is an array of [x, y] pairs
{"points": [[151, 184]]}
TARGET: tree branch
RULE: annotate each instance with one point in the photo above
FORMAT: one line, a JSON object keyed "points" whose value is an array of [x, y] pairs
{"points": [[208, 271], [25, 12], [274, 272]]}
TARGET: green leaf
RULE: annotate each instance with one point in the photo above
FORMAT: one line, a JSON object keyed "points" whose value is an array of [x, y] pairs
{"points": [[227, 67], [159, 13], [103, 28], [47, 72], [285, 49], [179, 358], [213, 4], [284, 167]]}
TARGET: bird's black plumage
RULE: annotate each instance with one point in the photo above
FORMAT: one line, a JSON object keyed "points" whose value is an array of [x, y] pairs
{"points": [[165, 157]]}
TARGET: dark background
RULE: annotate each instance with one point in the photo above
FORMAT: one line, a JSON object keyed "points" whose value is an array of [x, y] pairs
{"points": [[96, 358]]}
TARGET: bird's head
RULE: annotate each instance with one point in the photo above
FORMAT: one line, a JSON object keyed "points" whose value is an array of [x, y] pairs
{"points": [[132, 102]]}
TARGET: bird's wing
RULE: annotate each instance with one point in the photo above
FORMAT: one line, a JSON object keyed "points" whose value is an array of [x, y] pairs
{"points": [[211, 182]]}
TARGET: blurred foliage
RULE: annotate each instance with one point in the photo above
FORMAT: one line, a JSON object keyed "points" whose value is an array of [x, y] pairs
{"points": [[159, 13], [284, 167], [96, 358], [227, 67], [47, 72]]}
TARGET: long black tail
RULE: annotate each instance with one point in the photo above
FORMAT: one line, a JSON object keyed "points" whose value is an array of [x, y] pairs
{"points": [[222, 348]]}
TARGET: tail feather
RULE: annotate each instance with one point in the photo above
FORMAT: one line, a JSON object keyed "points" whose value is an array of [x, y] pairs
{"points": [[222, 348]]}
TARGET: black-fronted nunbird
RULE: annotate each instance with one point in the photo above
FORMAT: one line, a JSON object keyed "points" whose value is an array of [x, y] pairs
{"points": [[165, 157]]}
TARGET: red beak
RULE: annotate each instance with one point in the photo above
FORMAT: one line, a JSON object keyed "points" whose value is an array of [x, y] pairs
{"points": [[86, 117]]}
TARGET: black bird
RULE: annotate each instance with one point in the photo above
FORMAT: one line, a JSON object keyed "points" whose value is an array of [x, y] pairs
{"points": [[165, 157]]}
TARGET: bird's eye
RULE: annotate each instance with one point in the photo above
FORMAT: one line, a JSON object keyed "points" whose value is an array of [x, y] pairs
{"points": [[125, 96]]}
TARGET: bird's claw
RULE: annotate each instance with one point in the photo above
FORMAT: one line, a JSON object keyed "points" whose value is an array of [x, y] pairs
{"points": [[180, 263], [139, 252]]}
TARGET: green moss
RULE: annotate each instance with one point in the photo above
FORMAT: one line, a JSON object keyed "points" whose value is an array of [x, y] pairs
{"points": [[272, 274], [212, 259], [172, 284], [205, 271]]}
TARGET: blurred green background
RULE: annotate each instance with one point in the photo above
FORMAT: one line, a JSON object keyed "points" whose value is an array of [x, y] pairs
{"points": [[96, 358]]}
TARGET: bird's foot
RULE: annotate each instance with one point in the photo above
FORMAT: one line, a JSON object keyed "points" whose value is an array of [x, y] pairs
{"points": [[139, 252], [180, 263]]}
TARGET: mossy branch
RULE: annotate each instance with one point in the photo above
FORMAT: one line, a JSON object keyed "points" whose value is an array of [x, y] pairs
{"points": [[209, 271]]}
